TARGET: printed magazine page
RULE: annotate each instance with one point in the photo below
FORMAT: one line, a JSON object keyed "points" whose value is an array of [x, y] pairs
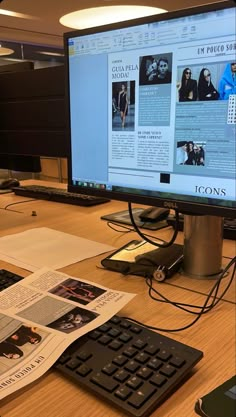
{"points": [[41, 316]]}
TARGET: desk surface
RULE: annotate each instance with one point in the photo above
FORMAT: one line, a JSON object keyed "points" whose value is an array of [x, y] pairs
{"points": [[214, 333]]}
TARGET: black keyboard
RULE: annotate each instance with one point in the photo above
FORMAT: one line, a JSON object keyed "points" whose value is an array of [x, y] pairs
{"points": [[8, 278], [229, 231], [59, 195], [127, 365]]}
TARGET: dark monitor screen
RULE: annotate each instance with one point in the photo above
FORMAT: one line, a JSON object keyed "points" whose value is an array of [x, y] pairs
{"points": [[17, 66], [152, 110]]}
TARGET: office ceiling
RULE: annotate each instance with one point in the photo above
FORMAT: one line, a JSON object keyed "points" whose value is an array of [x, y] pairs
{"points": [[43, 27]]}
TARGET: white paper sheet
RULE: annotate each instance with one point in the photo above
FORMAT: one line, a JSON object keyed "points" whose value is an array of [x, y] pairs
{"points": [[40, 247]]}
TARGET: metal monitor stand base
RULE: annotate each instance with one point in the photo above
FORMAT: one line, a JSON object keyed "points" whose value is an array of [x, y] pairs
{"points": [[203, 242]]}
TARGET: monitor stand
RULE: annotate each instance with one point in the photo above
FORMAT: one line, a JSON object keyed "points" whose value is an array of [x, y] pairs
{"points": [[203, 242]]}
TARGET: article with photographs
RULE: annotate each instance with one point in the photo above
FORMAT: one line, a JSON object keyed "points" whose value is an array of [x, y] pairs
{"points": [[39, 320]]}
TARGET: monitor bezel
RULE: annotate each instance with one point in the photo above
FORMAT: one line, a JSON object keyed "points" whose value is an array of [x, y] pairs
{"points": [[183, 205]]}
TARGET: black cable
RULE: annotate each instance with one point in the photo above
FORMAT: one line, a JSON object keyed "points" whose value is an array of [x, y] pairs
{"points": [[18, 202], [164, 299], [163, 245], [233, 261], [205, 305], [128, 229], [182, 305], [14, 211]]}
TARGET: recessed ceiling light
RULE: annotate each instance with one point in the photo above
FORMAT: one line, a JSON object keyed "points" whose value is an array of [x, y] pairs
{"points": [[6, 51], [50, 53], [15, 14], [97, 16]]}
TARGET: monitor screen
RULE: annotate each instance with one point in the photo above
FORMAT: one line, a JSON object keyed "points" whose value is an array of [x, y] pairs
{"points": [[152, 110]]}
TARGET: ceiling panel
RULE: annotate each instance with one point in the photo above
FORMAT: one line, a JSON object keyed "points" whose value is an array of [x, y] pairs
{"points": [[44, 28]]}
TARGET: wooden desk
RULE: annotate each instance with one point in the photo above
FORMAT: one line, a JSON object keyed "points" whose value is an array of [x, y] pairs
{"points": [[214, 334]]}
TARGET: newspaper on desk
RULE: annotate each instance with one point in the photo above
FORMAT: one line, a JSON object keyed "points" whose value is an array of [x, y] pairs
{"points": [[41, 316]]}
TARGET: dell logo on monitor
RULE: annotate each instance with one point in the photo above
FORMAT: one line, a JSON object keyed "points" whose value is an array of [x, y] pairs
{"points": [[170, 205]]}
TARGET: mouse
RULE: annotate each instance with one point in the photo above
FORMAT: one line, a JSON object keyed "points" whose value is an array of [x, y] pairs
{"points": [[9, 183], [154, 214]]}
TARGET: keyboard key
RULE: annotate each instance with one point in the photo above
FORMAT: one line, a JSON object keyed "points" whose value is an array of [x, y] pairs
{"points": [[83, 370], [167, 370], [158, 380], [121, 375], [164, 355], [104, 340], [177, 362], [141, 396], [104, 382], [115, 345], [139, 344], [134, 382], [73, 364], [130, 352], [123, 393], [109, 369], [94, 335], [144, 373], [125, 337], [142, 357], [154, 364], [120, 360], [83, 355], [132, 366], [151, 349], [114, 332]]}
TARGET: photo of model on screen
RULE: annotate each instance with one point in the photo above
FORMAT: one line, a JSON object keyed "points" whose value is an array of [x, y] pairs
{"points": [[206, 88], [123, 105], [155, 69], [212, 82], [227, 84], [190, 153], [187, 88]]}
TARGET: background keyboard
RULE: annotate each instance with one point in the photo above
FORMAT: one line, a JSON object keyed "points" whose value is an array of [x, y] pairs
{"points": [[127, 365], [59, 195], [8, 278]]}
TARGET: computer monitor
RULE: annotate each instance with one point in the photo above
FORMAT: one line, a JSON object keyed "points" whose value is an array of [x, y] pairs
{"points": [[17, 66], [152, 116]]}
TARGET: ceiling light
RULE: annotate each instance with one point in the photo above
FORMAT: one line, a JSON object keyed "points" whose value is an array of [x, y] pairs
{"points": [[50, 53], [6, 51], [15, 14], [97, 16]]}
